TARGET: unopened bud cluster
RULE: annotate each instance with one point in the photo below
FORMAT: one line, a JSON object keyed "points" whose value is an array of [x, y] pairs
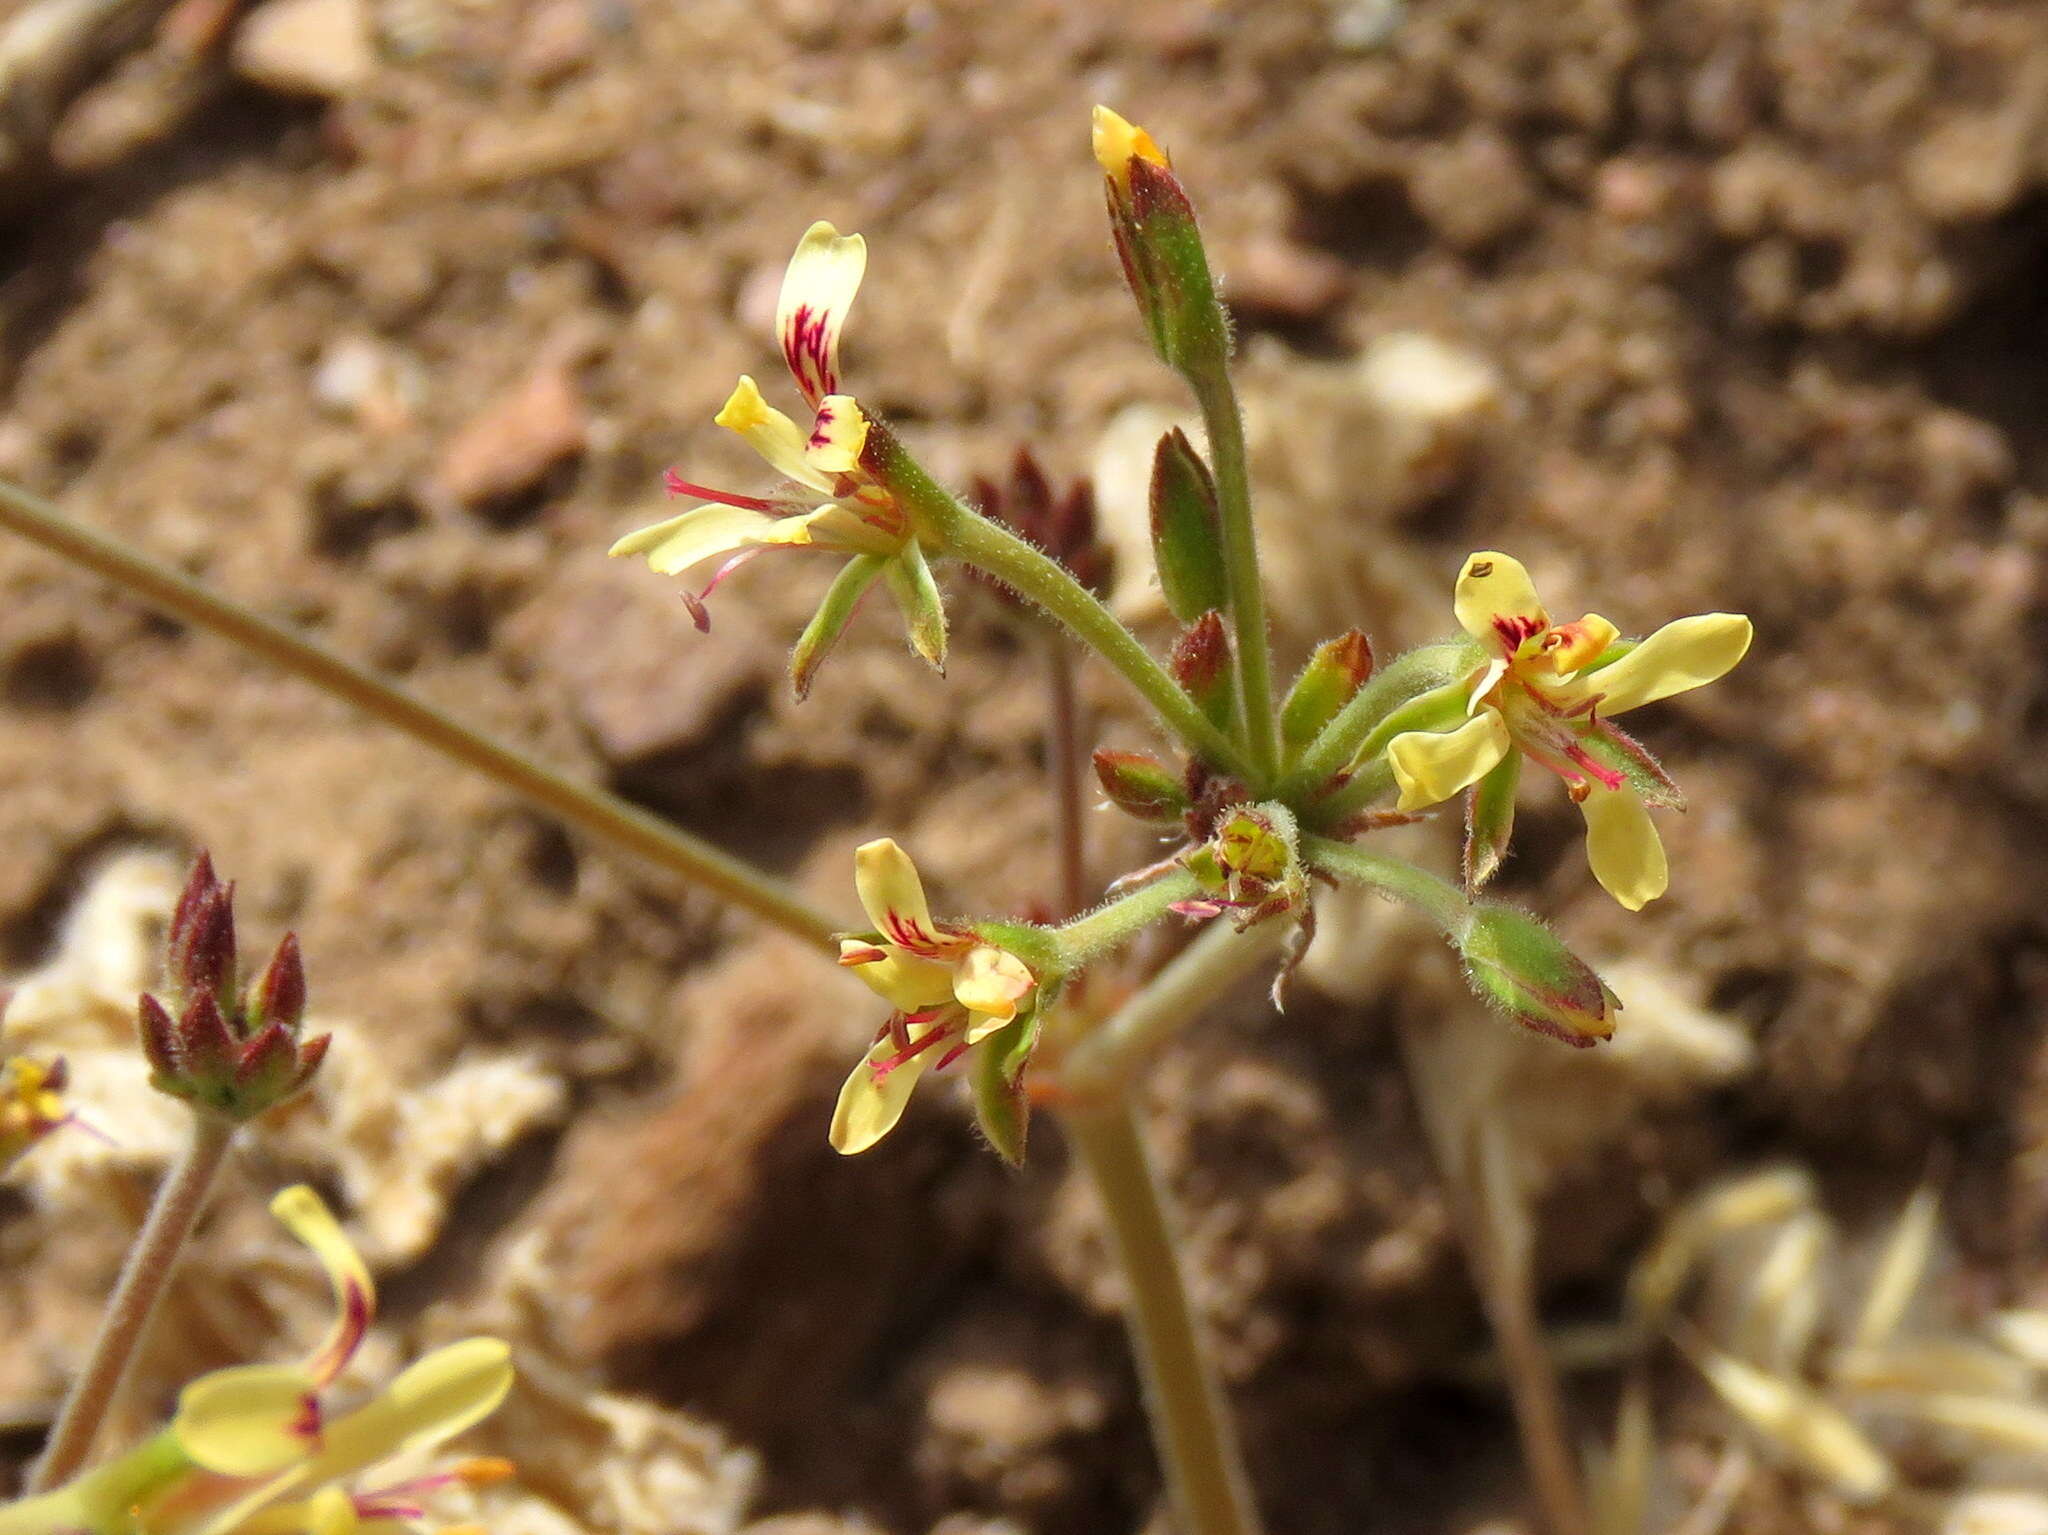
{"points": [[230, 1049]]}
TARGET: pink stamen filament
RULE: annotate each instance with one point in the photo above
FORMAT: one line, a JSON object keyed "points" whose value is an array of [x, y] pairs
{"points": [[678, 486], [882, 1068]]}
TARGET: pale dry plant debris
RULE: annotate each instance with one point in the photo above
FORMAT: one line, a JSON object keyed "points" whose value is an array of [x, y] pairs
{"points": [[1855, 1394]]}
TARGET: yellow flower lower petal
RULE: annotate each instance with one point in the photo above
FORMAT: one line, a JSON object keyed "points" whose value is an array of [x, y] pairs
{"points": [[1431, 766], [817, 291], [1570, 646], [249, 1420], [306, 1216], [1683, 655], [992, 981], [832, 526], [868, 1106], [1623, 847], [452, 1389], [906, 982], [893, 896], [331, 1512], [770, 433], [1496, 602], [672, 547], [837, 436]]}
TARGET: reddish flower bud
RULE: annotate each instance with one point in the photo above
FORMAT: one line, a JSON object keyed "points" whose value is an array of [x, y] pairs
{"points": [[281, 990], [1200, 662], [1142, 786]]}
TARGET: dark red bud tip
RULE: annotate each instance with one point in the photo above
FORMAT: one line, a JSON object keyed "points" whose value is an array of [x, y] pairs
{"points": [[1352, 652], [205, 1044], [159, 1036], [198, 886], [202, 960], [1201, 656], [281, 994], [269, 1055], [311, 1054]]}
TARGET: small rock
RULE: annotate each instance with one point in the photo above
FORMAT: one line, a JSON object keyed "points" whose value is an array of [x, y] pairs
{"points": [[307, 47], [376, 385], [1474, 191], [512, 442], [639, 676], [1286, 281], [1971, 167], [557, 40]]}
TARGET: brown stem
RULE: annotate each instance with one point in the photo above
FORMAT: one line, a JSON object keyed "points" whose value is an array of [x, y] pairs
{"points": [[1063, 760], [144, 1276]]}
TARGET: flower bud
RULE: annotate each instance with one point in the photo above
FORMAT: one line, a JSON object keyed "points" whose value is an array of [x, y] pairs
{"points": [[1153, 223], [1517, 964], [1200, 662], [1142, 786], [1187, 532], [230, 1052], [1337, 670]]}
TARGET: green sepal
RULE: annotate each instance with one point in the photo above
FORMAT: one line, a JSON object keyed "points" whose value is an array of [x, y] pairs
{"points": [[924, 613], [1038, 947], [1335, 673], [1518, 965], [1001, 1106], [1441, 708], [1187, 530], [1490, 821], [1615, 749], [829, 622], [1142, 786], [1169, 272]]}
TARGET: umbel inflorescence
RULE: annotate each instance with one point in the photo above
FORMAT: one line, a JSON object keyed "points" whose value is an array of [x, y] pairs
{"points": [[1271, 791]]}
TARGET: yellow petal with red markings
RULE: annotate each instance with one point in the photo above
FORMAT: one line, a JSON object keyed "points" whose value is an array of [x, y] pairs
{"points": [[903, 980], [817, 292], [1431, 766], [1496, 602], [869, 1107]]}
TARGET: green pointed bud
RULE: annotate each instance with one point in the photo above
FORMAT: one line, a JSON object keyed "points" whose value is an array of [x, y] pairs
{"points": [[917, 595], [1142, 786], [1153, 223], [829, 622], [1001, 1106], [1187, 530], [1490, 821], [1337, 670], [1517, 964], [1200, 662]]}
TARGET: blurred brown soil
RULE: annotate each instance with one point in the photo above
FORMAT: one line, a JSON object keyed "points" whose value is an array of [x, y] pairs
{"points": [[1767, 281]]}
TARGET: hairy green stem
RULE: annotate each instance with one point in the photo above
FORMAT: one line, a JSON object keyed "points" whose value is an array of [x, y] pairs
{"points": [[1066, 766], [1341, 741], [1109, 1057], [1438, 899], [1191, 1428], [1115, 922], [583, 806], [1225, 426], [996, 551], [180, 1200], [1372, 780]]}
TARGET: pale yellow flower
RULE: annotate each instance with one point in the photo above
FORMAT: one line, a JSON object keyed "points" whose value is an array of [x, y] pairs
{"points": [[1548, 692], [950, 989], [828, 499]]}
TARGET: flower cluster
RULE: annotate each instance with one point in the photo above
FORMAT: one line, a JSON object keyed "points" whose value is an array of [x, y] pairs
{"points": [[260, 1450]]}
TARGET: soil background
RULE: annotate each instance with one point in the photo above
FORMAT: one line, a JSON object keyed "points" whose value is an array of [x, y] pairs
{"points": [[389, 319]]}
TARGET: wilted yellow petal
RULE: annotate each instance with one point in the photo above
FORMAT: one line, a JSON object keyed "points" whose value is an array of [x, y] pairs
{"points": [[868, 1109], [1683, 655], [675, 545], [1570, 646], [1117, 143], [1623, 847], [771, 434], [1932, 1366], [817, 291], [1496, 602], [837, 436], [1431, 766], [1802, 1425], [2003, 1425], [893, 896], [1785, 1298], [248, 1420], [992, 981]]}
